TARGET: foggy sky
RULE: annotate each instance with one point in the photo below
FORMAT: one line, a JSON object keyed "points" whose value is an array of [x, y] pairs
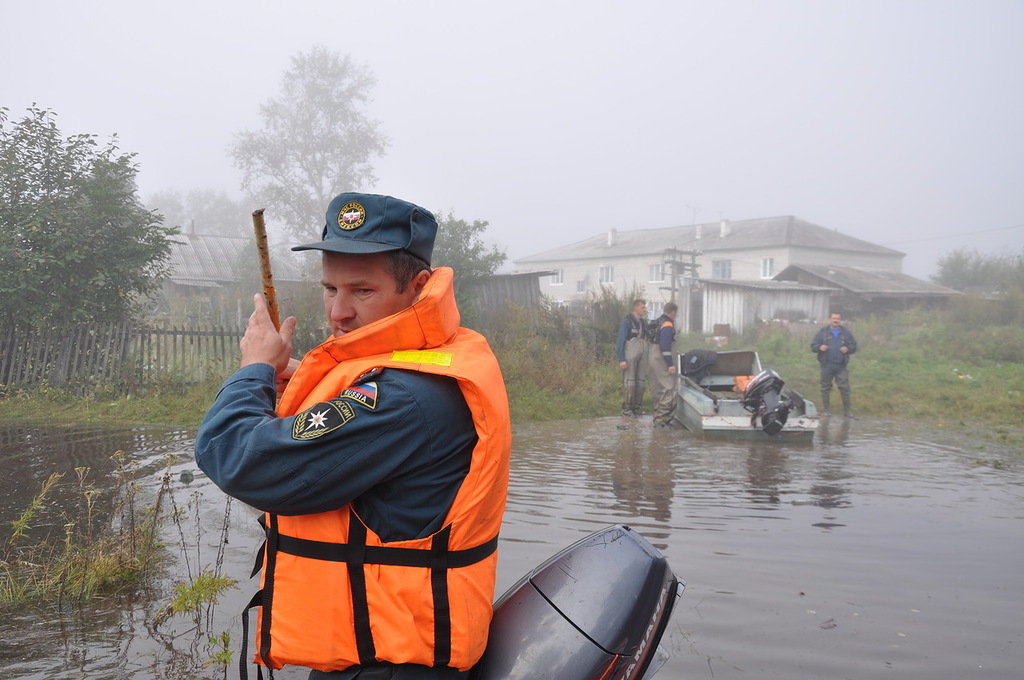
{"points": [[895, 121]]}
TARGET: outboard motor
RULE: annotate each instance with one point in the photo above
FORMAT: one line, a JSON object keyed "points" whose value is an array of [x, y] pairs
{"points": [[763, 396], [595, 611]]}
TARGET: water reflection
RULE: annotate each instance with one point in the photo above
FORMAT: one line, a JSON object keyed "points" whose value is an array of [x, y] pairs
{"points": [[833, 431], [642, 478], [29, 454], [767, 475]]}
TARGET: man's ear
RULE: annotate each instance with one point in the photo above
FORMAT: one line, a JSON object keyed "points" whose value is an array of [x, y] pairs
{"points": [[419, 281]]}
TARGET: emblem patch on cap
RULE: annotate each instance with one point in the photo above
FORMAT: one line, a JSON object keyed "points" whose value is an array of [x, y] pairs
{"points": [[351, 216], [321, 418]]}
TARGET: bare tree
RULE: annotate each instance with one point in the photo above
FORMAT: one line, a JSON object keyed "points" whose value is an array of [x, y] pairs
{"points": [[202, 211], [316, 140]]}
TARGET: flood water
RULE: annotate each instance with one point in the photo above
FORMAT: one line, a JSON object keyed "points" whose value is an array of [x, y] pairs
{"points": [[882, 549]]}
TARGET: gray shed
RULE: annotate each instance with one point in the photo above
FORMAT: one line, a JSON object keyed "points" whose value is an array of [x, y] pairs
{"points": [[740, 304]]}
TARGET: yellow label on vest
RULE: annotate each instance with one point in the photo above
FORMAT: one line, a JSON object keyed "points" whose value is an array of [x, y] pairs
{"points": [[415, 356]]}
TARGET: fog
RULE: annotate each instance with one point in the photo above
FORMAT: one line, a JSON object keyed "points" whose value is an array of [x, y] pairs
{"points": [[895, 121]]}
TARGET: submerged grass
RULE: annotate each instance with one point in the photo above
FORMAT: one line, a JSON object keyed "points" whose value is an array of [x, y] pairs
{"points": [[105, 542], [106, 545]]}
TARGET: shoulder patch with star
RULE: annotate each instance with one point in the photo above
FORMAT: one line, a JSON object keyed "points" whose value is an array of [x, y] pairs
{"points": [[320, 419]]}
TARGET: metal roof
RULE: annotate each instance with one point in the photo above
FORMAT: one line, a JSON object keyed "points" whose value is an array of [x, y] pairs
{"points": [[866, 281], [210, 260], [766, 284], [767, 232]]}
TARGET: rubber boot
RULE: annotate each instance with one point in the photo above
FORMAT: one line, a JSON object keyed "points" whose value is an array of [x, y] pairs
{"points": [[846, 406], [825, 400]]}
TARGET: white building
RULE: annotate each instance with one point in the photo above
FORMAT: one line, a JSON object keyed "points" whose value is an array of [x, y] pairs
{"points": [[691, 264]]}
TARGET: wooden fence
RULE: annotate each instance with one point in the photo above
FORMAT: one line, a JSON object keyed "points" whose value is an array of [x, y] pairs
{"points": [[119, 356]]}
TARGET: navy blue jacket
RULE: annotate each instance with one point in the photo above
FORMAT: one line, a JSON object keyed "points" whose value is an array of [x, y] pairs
{"points": [[664, 336], [414, 437], [630, 327], [825, 336]]}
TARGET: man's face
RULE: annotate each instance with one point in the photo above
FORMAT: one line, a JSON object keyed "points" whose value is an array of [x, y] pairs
{"points": [[359, 289], [640, 309], [836, 320]]}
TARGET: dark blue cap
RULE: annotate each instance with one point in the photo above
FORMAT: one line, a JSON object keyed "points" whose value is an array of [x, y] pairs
{"points": [[372, 223]]}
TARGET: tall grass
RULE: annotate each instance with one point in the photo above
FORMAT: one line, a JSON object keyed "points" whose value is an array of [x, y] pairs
{"points": [[105, 545], [965, 363], [962, 364], [107, 542]]}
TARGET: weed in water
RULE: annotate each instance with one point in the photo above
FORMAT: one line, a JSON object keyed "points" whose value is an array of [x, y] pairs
{"points": [[101, 550]]}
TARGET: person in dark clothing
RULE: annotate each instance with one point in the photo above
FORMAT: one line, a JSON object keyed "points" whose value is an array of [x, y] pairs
{"points": [[834, 344], [632, 347]]}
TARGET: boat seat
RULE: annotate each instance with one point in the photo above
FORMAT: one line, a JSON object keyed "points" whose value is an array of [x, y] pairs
{"points": [[718, 383]]}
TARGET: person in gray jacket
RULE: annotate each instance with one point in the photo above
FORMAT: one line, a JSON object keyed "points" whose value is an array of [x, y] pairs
{"points": [[834, 344]]}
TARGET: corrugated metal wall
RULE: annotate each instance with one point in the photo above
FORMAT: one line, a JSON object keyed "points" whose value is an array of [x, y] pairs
{"points": [[741, 306]]}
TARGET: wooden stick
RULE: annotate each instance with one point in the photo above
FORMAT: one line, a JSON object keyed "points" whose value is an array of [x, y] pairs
{"points": [[269, 293]]}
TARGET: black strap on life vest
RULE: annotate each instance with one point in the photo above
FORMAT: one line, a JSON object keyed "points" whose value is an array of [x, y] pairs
{"points": [[263, 598], [356, 554], [360, 601], [393, 556], [439, 591], [271, 547], [243, 660]]}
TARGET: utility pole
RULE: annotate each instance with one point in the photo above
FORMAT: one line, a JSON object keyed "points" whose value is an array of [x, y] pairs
{"points": [[682, 265]]}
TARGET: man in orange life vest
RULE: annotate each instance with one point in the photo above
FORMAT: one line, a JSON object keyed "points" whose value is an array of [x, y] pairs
{"points": [[383, 466]]}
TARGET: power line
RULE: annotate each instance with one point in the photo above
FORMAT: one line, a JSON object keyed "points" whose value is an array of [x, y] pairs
{"points": [[953, 236]]}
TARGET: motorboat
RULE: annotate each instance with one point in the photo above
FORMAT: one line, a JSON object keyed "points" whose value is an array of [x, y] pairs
{"points": [[729, 393]]}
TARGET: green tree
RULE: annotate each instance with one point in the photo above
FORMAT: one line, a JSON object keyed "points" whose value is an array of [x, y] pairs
{"points": [[963, 269], [460, 245], [75, 242], [315, 143]]}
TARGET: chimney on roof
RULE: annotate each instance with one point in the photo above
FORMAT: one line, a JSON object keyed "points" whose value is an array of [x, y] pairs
{"points": [[612, 237], [725, 228]]}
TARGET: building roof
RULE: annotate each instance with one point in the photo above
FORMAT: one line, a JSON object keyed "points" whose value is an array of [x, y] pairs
{"points": [[210, 260], [864, 281], [765, 284], [770, 232]]}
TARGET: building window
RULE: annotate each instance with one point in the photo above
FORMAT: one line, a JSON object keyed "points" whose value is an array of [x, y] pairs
{"points": [[581, 286], [655, 309], [606, 274], [556, 278], [767, 267], [657, 273], [721, 269]]}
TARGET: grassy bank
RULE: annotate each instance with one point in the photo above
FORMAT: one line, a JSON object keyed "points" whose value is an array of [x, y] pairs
{"points": [[914, 365]]}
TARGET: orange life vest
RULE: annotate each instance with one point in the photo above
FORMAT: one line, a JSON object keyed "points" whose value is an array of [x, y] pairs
{"points": [[333, 593], [741, 383]]}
